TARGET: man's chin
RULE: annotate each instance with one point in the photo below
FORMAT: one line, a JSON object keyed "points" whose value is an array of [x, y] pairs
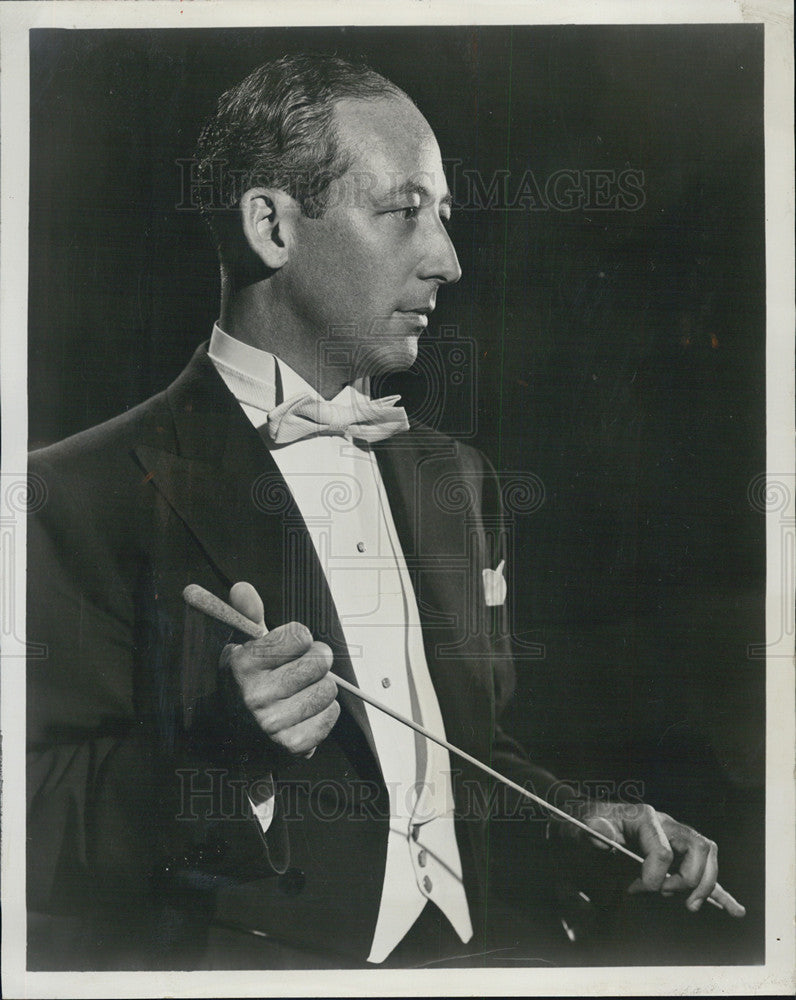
{"points": [[383, 358]]}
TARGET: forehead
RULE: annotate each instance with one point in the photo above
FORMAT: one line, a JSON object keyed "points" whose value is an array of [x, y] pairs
{"points": [[390, 143]]}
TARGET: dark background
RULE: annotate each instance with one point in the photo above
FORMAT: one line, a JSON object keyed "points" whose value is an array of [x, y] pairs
{"points": [[616, 355]]}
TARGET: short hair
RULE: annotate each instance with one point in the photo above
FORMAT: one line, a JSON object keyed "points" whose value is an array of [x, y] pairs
{"points": [[276, 129]]}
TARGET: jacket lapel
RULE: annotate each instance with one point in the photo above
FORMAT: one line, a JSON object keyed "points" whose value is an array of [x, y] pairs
{"points": [[225, 486], [438, 545]]}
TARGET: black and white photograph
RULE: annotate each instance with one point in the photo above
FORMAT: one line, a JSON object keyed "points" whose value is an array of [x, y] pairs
{"points": [[396, 500]]}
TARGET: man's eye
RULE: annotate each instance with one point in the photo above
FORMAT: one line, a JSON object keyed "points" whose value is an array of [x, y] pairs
{"points": [[408, 213]]}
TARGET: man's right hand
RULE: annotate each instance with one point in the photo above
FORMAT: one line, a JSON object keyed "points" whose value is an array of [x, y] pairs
{"points": [[284, 679]]}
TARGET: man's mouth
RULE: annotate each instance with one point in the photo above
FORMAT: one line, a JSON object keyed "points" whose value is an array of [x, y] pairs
{"points": [[419, 315]]}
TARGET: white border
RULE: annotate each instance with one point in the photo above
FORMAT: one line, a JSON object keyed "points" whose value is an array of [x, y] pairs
{"points": [[777, 976]]}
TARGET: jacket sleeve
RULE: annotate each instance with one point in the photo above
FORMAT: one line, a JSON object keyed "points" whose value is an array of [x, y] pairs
{"points": [[101, 834], [91, 828]]}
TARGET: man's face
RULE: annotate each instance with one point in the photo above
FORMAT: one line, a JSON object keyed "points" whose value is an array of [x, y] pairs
{"points": [[369, 269]]}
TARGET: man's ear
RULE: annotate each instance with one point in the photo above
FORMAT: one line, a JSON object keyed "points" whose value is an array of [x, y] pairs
{"points": [[268, 216]]}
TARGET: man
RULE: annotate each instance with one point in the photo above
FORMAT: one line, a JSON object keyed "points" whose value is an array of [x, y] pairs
{"points": [[198, 801]]}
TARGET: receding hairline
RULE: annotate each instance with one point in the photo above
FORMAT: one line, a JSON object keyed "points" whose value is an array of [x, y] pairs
{"points": [[393, 95], [349, 146]]}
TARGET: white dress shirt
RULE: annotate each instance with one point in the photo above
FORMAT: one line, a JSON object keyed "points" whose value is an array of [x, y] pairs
{"points": [[339, 491]]}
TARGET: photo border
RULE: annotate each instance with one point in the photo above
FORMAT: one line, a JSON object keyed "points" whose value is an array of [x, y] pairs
{"points": [[16, 19]]}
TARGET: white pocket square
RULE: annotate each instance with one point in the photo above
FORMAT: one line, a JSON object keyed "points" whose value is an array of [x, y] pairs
{"points": [[494, 585]]}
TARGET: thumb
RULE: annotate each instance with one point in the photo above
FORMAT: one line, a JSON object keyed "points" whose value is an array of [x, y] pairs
{"points": [[245, 600]]}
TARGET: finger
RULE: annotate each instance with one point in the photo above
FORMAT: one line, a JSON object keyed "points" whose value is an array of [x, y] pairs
{"points": [[655, 847], [245, 599], [267, 692], [225, 660], [672, 886], [707, 882], [283, 645], [295, 676], [696, 850], [675, 883], [278, 716], [730, 903], [304, 737]]}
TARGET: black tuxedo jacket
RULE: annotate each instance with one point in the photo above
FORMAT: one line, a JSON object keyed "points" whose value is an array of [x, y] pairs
{"points": [[139, 827]]}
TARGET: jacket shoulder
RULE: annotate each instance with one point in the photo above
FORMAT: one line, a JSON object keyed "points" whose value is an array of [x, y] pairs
{"points": [[431, 442], [110, 437]]}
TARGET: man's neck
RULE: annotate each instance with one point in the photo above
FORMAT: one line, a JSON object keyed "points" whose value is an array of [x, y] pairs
{"points": [[247, 317]]}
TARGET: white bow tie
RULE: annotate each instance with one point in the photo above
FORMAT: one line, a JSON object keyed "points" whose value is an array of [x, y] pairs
{"points": [[350, 415]]}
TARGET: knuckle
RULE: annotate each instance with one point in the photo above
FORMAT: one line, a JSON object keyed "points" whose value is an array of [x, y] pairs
{"points": [[329, 718], [299, 634], [235, 659], [315, 701], [313, 667], [291, 741], [328, 690], [254, 692], [277, 738], [323, 654], [248, 698], [249, 693], [665, 854], [228, 654], [267, 720]]}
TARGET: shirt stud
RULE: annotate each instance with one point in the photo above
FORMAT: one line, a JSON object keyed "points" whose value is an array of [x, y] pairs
{"points": [[385, 682], [360, 546], [427, 883]]}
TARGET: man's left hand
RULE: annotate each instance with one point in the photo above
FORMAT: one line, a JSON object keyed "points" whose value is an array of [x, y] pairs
{"points": [[662, 841]]}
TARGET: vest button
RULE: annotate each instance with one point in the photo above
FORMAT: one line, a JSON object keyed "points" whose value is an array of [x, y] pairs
{"points": [[422, 859], [427, 883], [360, 546], [385, 682]]}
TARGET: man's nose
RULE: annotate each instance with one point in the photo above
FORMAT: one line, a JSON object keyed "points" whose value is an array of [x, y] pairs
{"points": [[440, 261]]}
